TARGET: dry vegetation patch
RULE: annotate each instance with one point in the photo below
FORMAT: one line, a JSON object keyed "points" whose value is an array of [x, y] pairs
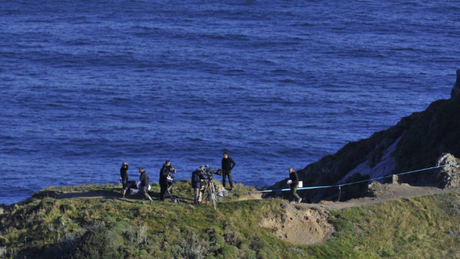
{"points": [[299, 225]]}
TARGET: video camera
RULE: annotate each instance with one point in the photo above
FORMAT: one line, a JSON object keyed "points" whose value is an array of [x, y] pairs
{"points": [[207, 171], [172, 171]]}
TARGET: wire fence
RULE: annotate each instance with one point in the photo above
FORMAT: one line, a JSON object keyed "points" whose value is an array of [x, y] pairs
{"points": [[358, 182]]}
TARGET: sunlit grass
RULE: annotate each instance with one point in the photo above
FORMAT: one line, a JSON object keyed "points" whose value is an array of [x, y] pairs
{"points": [[424, 227]]}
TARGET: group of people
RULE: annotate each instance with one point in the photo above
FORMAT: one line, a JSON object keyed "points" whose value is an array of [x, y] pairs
{"points": [[165, 172], [144, 182], [197, 178]]}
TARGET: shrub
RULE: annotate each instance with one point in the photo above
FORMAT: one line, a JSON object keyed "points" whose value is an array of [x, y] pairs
{"points": [[230, 252], [95, 243]]}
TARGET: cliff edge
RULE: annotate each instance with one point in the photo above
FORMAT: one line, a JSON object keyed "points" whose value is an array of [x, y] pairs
{"points": [[417, 141]]}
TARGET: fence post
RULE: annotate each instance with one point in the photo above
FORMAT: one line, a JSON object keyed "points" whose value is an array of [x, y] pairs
{"points": [[340, 191]]}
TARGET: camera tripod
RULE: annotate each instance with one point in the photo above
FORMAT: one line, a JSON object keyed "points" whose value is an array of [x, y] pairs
{"points": [[210, 191]]}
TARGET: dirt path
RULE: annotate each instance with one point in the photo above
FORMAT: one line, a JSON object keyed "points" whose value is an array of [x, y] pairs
{"points": [[386, 192], [105, 195], [91, 194], [382, 193]]}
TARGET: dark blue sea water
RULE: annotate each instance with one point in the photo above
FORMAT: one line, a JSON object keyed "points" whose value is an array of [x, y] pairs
{"points": [[88, 84]]}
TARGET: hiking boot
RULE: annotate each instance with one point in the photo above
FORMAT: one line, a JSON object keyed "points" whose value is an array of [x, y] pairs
{"points": [[232, 189], [300, 200], [151, 201], [292, 202]]}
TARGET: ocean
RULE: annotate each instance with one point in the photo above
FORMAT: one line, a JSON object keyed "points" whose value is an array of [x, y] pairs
{"points": [[88, 84]]}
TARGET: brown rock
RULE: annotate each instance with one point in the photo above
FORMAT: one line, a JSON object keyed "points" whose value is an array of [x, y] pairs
{"points": [[449, 176]]}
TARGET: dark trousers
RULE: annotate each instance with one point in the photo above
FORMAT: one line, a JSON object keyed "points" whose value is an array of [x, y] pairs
{"points": [[168, 186], [163, 187], [224, 175], [125, 184], [294, 192], [145, 193], [197, 195]]}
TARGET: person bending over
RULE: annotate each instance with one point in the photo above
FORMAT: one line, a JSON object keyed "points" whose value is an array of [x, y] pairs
{"points": [[197, 176], [124, 177], [145, 185], [227, 166]]}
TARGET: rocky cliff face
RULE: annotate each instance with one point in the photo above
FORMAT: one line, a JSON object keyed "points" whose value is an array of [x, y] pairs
{"points": [[416, 142], [456, 88]]}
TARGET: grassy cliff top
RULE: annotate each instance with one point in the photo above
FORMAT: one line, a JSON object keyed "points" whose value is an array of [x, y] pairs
{"points": [[53, 224]]}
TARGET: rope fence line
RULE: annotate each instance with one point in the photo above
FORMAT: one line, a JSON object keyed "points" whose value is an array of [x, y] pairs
{"points": [[358, 182]]}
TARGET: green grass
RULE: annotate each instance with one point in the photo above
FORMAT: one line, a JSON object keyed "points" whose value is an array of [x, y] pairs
{"points": [[425, 227]]}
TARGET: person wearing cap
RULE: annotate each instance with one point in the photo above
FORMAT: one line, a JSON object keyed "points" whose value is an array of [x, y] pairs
{"points": [[145, 185], [227, 166], [197, 176], [293, 185], [124, 177], [164, 172]]}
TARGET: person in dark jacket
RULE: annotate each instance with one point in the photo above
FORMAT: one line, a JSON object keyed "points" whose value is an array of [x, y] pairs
{"points": [[145, 185], [124, 177], [227, 166], [164, 172], [197, 176], [294, 184]]}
